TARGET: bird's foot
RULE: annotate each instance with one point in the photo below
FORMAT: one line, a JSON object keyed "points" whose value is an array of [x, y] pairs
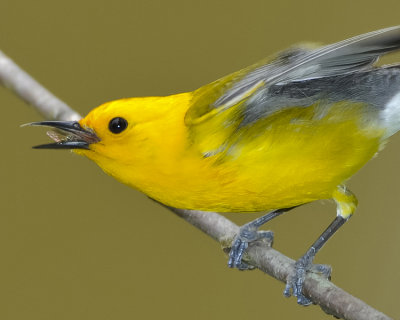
{"points": [[295, 280], [247, 234]]}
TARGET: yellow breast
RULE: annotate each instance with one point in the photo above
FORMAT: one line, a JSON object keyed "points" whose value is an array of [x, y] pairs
{"points": [[292, 157]]}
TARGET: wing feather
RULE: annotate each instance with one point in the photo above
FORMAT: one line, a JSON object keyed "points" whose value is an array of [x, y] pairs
{"points": [[349, 55], [221, 107]]}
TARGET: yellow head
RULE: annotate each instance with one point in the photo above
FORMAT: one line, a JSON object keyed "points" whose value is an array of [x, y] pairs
{"points": [[127, 137]]}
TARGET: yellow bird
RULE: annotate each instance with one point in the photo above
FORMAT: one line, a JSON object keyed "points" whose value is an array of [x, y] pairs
{"points": [[281, 133]]}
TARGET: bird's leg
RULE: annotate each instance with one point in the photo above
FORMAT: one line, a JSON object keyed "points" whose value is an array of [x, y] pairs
{"points": [[296, 279], [346, 204], [249, 233]]}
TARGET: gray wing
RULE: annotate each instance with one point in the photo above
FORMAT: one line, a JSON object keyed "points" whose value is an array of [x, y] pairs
{"points": [[352, 55], [298, 77], [375, 87]]}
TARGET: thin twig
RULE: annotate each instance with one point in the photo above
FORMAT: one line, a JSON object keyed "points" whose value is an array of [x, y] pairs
{"points": [[32, 92], [331, 298]]}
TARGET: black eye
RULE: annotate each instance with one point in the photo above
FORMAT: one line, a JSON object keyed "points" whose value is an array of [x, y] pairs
{"points": [[117, 125]]}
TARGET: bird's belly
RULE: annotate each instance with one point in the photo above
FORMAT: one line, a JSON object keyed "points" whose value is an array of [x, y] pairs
{"points": [[276, 170], [286, 160]]}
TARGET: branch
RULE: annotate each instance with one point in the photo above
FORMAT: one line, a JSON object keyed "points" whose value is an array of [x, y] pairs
{"points": [[331, 298], [27, 88]]}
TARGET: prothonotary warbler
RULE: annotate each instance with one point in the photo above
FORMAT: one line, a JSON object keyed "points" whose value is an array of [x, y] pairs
{"points": [[281, 133]]}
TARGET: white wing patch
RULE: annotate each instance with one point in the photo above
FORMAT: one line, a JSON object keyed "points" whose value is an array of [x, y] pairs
{"points": [[390, 115]]}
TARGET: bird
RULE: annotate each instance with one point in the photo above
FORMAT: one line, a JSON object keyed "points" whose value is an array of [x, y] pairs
{"points": [[286, 131]]}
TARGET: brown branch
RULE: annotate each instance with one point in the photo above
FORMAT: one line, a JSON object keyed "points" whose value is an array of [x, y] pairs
{"points": [[32, 92], [331, 298]]}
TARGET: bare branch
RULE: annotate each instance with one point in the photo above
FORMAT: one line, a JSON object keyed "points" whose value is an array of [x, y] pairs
{"points": [[331, 298], [32, 92]]}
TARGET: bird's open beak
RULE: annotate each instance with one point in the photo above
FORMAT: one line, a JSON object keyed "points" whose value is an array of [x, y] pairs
{"points": [[67, 135]]}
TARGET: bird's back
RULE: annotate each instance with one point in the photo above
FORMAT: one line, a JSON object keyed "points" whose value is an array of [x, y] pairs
{"points": [[291, 130], [277, 134]]}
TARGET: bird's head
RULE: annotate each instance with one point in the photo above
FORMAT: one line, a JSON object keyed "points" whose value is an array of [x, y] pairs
{"points": [[126, 132]]}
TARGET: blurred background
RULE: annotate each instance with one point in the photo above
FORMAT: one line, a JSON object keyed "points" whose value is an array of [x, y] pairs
{"points": [[76, 244]]}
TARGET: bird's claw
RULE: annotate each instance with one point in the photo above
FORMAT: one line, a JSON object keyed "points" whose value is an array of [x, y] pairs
{"points": [[295, 281], [322, 269], [241, 243], [294, 286], [239, 246]]}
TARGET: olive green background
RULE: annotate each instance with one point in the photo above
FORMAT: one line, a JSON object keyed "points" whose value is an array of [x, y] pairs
{"points": [[75, 244]]}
